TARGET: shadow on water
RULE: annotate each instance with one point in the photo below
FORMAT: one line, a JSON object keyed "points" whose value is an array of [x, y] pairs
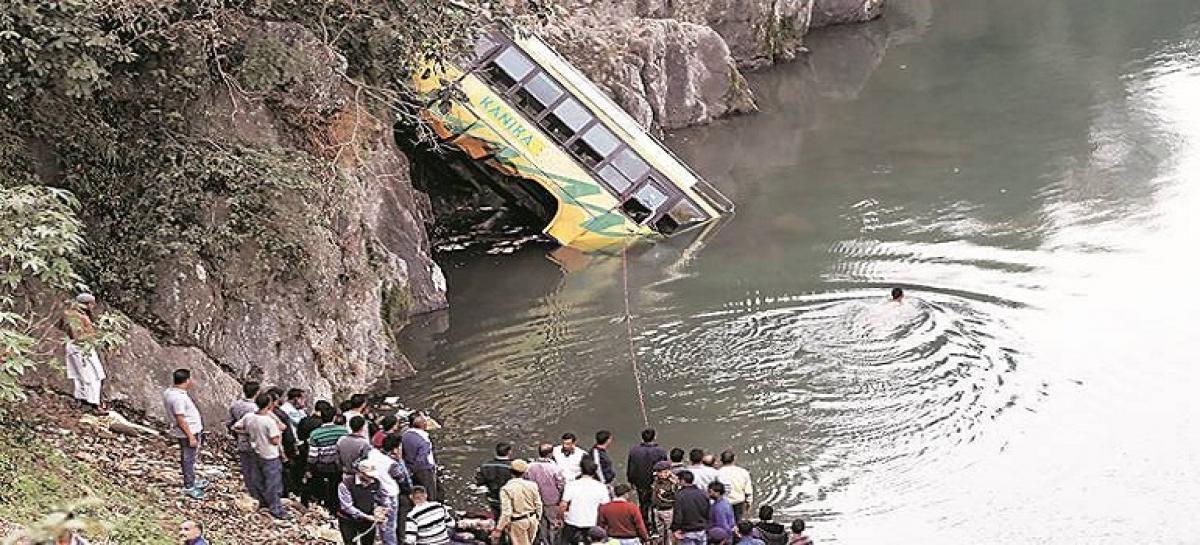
{"points": [[998, 160]]}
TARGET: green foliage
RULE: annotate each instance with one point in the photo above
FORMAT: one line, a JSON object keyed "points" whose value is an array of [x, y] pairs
{"points": [[36, 479], [68, 47], [40, 237]]}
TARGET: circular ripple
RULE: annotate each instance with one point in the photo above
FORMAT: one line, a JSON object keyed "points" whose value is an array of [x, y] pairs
{"points": [[819, 388]]}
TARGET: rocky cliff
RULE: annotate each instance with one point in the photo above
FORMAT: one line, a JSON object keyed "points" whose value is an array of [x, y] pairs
{"points": [[314, 297]]}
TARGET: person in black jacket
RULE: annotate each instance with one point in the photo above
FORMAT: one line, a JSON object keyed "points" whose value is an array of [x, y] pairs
{"points": [[640, 470], [690, 518], [771, 532], [494, 473], [599, 454], [303, 430]]}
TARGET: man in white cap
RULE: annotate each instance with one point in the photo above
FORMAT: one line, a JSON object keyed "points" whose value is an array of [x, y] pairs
{"points": [[83, 361]]}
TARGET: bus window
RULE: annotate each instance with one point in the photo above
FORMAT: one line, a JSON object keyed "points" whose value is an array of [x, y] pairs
{"points": [[613, 177], [566, 119], [681, 215], [632, 166], [601, 140], [484, 47], [594, 145], [539, 92], [645, 201], [509, 67]]}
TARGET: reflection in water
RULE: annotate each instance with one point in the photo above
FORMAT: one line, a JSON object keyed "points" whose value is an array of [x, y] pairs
{"points": [[1025, 170]]}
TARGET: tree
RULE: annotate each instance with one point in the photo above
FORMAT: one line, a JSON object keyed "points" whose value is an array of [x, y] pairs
{"points": [[40, 235]]}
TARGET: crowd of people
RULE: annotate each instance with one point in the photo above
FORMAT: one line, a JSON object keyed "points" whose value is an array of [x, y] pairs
{"points": [[378, 476]]}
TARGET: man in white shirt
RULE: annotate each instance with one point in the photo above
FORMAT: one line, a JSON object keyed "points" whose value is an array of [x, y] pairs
{"points": [[187, 429], [581, 503], [568, 457], [702, 472], [737, 482], [296, 400], [265, 432]]}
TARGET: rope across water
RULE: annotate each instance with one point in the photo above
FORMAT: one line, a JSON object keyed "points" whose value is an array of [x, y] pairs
{"points": [[637, 375]]}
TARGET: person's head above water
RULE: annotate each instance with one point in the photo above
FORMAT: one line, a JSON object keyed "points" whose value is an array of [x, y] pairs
{"points": [[897, 294]]}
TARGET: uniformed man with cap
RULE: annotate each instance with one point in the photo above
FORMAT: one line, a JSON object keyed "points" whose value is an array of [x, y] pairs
{"points": [[520, 507]]}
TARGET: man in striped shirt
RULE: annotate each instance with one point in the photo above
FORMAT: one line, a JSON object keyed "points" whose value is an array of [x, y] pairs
{"points": [[428, 521], [324, 470]]}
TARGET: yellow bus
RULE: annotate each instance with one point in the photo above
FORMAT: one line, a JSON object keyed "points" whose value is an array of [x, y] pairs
{"points": [[533, 126]]}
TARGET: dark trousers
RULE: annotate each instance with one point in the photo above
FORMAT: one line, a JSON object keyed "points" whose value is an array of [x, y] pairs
{"points": [[573, 535], [354, 528], [406, 505], [295, 477], [248, 464], [271, 473], [739, 511], [644, 504], [428, 479], [323, 488], [187, 459]]}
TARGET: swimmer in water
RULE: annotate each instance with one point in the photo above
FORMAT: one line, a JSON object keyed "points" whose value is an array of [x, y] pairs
{"points": [[897, 295]]}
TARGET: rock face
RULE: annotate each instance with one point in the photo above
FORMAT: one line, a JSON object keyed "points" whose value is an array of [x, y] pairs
{"points": [[661, 71], [838, 12], [329, 329], [365, 266]]}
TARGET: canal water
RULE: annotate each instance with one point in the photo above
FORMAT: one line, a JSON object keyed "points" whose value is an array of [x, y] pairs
{"points": [[1028, 171]]}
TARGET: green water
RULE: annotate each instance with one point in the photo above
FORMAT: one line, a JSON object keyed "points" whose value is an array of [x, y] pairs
{"points": [[1028, 171]]}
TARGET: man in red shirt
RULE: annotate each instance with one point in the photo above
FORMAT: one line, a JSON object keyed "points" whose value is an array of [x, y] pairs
{"points": [[622, 519]]}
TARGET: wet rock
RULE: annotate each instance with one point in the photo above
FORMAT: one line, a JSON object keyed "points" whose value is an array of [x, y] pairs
{"points": [[838, 12], [663, 72]]}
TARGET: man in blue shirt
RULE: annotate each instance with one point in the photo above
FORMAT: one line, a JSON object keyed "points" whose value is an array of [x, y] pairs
{"points": [[192, 533], [722, 512]]}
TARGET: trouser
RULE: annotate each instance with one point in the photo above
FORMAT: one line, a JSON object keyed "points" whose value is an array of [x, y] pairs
{"points": [[522, 532], [662, 525], [323, 485], [739, 511], [187, 459], [428, 479], [356, 532], [271, 483], [548, 526], [402, 516], [296, 469], [645, 503], [495, 509], [572, 535], [387, 534], [248, 464], [699, 537]]}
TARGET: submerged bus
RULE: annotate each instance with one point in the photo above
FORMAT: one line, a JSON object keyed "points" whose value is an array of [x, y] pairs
{"points": [[537, 130]]}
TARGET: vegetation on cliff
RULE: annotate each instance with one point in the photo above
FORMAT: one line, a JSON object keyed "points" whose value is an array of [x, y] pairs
{"points": [[99, 106]]}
